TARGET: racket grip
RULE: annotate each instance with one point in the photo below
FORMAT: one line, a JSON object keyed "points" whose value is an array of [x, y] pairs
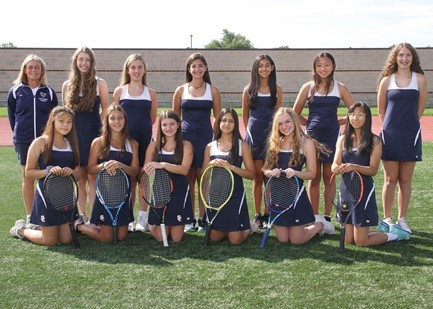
{"points": [[207, 236], [265, 237], [342, 238], [115, 238], [164, 235], [74, 235]]}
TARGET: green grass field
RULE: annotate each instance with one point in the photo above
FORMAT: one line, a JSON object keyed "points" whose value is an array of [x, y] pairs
{"points": [[141, 273]]}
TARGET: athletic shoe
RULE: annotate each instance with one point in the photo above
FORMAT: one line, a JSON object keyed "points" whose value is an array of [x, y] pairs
{"points": [[328, 227], [388, 221], [202, 224], [254, 227], [401, 233], [131, 227], [190, 227], [19, 224], [383, 227], [403, 224], [258, 220], [141, 225], [265, 219], [327, 218]]}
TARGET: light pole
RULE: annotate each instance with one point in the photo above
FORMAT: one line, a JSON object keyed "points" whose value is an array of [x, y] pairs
{"points": [[191, 41]]}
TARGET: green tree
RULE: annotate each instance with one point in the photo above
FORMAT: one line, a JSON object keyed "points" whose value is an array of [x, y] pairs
{"points": [[230, 40], [7, 45]]}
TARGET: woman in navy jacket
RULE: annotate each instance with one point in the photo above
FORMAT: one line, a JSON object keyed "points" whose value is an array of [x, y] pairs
{"points": [[30, 102]]}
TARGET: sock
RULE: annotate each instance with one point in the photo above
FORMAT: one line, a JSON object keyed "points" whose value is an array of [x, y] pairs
{"points": [[391, 236], [142, 213]]}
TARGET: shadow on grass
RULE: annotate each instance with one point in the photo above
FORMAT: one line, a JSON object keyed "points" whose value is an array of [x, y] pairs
{"points": [[142, 249]]}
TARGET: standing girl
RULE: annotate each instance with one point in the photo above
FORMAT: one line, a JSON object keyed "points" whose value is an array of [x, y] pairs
{"points": [[140, 104], [114, 149], [260, 99], [171, 153], [194, 102], [359, 149], [323, 95], [30, 102], [55, 151], [229, 151], [401, 99], [289, 148], [87, 95]]}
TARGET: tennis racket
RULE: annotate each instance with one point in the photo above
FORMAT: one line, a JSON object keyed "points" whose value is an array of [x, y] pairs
{"points": [[349, 188], [156, 191], [216, 189], [113, 191], [280, 195], [61, 194]]}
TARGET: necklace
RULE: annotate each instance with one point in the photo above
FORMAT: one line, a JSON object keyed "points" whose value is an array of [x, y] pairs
{"points": [[196, 87]]}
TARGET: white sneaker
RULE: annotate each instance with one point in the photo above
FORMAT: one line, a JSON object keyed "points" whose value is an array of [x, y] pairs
{"points": [[189, 227], [388, 221], [141, 225], [403, 224], [328, 227], [131, 227], [254, 226], [19, 224]]}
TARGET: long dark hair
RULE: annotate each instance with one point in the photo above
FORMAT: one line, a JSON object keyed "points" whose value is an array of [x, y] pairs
{"points": [[191, 59], [367, 136], [106, 132], [161, 140], [316, 77], [71, 136], [236, 136], [254, 86]]}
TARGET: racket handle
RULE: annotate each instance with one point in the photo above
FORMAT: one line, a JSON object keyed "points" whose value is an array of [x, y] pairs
{"points": [[207, 236], [265, 237], [342, 237], [164, 235], [115, 238], [74, 235]]}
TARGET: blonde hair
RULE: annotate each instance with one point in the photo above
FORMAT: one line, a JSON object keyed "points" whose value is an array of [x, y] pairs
{"points": [[299, 137], [22, 76]]}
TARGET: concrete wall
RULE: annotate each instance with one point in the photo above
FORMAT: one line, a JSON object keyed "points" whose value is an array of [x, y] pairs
{"points": [[229, 69]]}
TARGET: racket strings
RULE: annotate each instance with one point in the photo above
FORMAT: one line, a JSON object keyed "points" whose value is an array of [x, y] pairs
{"points": [[112, 189], [281, 193], [349, 189], [60, 192], [157, 188], [216, 187]]}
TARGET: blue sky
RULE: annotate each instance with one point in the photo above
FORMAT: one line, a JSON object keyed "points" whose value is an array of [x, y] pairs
{"points": [[170, 23]]}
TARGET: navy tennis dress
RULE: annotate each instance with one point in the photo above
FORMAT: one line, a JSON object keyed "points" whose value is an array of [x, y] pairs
{"points": [[302, 212], [259, 126], [99, 213], [137, 109], [234, 215], [196, 125], [401, 129], [179, 209], [365, 214], [41, 215], [88, 126], [322, 124]]}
